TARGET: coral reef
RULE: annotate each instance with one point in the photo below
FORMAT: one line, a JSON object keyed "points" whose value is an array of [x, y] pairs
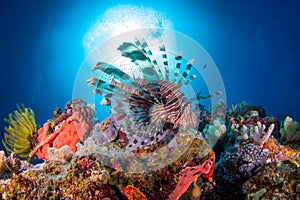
{"points": [[251, 164], [275, 181], [88, 176], [17, 137], [107, 170], [280, 152]]}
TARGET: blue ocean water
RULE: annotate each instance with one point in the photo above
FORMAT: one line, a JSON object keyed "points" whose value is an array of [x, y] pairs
{"points": [[255, 44]]}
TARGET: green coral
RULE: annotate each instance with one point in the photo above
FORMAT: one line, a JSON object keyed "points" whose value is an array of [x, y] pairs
{"points": [[17, 137]]}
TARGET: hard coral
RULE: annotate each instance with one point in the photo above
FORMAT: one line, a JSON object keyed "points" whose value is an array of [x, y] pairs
{"points": [[66, 129], [255, 132], [17, 137]]}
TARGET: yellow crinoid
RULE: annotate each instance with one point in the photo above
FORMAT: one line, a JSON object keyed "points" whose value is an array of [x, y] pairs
{"points": [[17, 137]]}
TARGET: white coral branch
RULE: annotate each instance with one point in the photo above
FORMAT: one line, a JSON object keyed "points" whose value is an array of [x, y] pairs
{"points": [[258, 133]]}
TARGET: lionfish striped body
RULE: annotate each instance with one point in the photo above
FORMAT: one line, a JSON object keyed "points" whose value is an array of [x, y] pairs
{"points": [[152, 106]]}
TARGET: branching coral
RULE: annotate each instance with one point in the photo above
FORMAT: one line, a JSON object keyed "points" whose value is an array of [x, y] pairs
{"points": [[17, 137], [257, 133]]}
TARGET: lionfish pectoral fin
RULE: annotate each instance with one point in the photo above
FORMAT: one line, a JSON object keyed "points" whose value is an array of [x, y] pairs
{"points": [[126, 82]]}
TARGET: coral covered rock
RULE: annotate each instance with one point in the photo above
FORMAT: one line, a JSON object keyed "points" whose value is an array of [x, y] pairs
{"points": [[276, 181], [65, 129], [88, 176]]}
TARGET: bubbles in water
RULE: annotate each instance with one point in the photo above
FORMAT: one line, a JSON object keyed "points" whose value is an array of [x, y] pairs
{"points": [[123, 18]]}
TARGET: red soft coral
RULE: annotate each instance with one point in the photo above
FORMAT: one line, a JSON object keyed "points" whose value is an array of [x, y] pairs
{"points": [[189, 175]]}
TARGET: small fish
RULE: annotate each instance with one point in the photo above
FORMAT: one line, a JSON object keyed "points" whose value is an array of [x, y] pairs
{"points": [[204, 66]]}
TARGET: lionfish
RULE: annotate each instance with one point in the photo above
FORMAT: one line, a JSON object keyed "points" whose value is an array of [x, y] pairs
{"points": [[151, 106]]}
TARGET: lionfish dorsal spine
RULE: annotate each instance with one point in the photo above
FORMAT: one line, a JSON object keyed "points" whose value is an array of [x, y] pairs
{"points": [[187, 72], [164, 56], [178, 59], [145, 48]]}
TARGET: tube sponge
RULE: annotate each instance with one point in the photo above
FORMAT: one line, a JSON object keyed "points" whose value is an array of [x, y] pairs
{"points": [[17, 137]]}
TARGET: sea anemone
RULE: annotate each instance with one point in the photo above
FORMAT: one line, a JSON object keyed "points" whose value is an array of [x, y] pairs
{"points": [[150, 101], [17, 137]]}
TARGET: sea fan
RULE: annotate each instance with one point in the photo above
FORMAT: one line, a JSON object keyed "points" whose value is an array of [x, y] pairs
{"points": [[17, 137], [152, 105]]}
